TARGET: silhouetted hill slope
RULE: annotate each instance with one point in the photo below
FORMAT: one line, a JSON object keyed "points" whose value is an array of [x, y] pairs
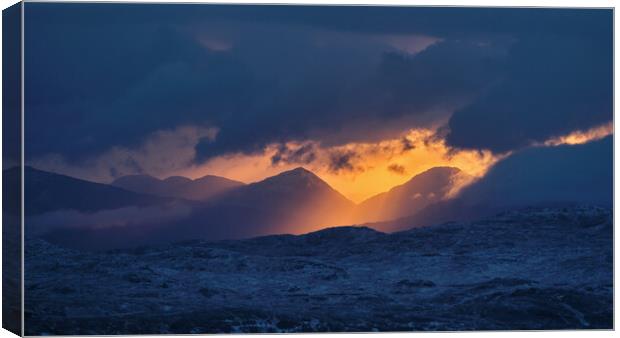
{"points": [[45, 191], [420, 191], [298, 200], [540, 176], [200, 189], [307, 245]]}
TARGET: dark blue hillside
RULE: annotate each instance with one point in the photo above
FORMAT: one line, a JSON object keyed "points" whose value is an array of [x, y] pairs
{"points": [[45, 191]]}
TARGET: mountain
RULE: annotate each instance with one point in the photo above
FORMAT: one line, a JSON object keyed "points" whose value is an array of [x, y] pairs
{"points": [[46, 191], [92, 216], [297, 200], [540, 176], [422, 190], [200, 189]]}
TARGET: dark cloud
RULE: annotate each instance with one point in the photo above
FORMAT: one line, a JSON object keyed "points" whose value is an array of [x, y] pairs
{"points": [[323, 98], [114, 74], [407, 144], [343, 161], [554, 85], [579, 173], [442, 21], [130, 163], [446, 73], [110, 85], [397, 168], [304, 154]]}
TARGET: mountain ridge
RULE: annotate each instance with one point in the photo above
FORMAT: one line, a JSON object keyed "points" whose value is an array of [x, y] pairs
{"points": [[200, 189], [296, 196], [48, 191], [421, 190]]}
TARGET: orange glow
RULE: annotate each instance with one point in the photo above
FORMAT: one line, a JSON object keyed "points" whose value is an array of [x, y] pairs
{"points": [[372, 168], [580, 137]]}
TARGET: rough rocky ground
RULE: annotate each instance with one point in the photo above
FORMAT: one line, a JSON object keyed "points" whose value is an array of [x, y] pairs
{"points": [[539, 268]]}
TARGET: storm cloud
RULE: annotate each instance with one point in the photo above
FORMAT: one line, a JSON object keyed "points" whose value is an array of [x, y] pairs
{"points": [[567, 173], [261, 75], [304, 154], [397, 169], [554, 85]]}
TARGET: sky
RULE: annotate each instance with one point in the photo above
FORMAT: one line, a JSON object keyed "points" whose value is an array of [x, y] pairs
{"points": [[365, 97]]}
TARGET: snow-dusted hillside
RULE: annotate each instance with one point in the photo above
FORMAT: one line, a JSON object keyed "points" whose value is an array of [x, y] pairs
{"points": [[543, 268]]}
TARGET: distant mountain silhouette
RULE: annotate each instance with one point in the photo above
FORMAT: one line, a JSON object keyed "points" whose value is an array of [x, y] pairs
{"points": [[45, 191], [295, 201], [298, 201], [420, 191], [531, 177], [97, 215], [200, 189]]}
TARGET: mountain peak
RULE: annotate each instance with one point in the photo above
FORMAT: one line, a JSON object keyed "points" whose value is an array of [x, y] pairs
{"points": [[297, 201], [406, 199], [298, 178], [297, 173], [440, 170], [300, 171], [199, 189], [211, 178], [431, 177]]}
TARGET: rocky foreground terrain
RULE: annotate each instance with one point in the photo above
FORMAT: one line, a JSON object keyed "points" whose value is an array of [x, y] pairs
{"points": [[539, 268]]}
